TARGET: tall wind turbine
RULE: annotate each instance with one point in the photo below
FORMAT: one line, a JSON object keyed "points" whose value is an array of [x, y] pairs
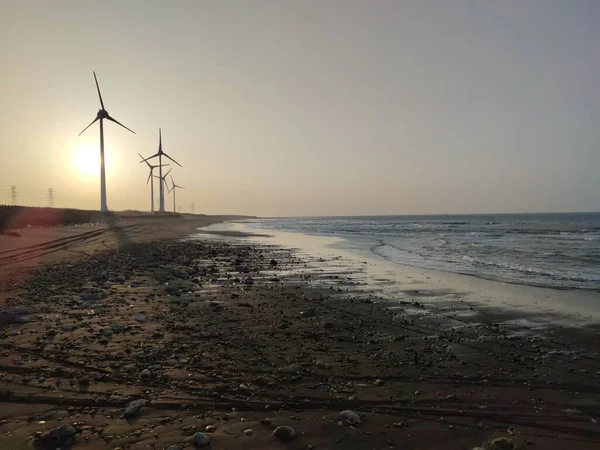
{"points": [[151, 181], [160, 154], [174, 188], [102, 114], [163, 182]]}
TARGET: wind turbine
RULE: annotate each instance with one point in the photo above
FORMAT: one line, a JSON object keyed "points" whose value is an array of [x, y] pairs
{"points": [[151, 181], [160, 154], [163, 182], [174, 188], [103, 114]]}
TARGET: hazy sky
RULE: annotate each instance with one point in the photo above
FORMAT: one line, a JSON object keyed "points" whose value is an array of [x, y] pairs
{"points": [[307, 107]]}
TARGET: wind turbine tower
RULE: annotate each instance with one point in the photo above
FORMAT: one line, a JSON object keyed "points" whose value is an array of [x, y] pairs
{"points": [[174, 188], [163, 182], [101, 115]]}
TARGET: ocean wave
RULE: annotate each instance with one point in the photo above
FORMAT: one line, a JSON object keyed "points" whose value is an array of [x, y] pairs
{"points": [[496, 270], [559, 250]]}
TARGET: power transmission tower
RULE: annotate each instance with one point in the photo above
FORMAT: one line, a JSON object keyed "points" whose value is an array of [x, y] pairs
{"points": [[13, 195], [192, 208], [50, 196]]}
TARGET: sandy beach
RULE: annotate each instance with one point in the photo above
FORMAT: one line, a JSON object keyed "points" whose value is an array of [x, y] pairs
{"points": [[137, 339]]}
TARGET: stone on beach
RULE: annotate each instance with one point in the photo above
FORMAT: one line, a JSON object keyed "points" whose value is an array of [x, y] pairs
{"points": [[14, 315], [141, 318], [285, 433], [62, 436], [134, 408], [502, 443], [200, 439], [350, 417]]}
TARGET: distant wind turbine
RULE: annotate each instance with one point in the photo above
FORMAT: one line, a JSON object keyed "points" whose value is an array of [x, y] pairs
{"points": [[160, 154], [174, 188], [163, 181], [103, 114], [151, 181]]}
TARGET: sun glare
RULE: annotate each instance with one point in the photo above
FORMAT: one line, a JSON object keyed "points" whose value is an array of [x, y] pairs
{"points": [[86, 161]]}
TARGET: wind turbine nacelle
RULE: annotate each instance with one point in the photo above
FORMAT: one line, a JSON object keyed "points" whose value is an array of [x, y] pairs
{"points": [[102, 114]]}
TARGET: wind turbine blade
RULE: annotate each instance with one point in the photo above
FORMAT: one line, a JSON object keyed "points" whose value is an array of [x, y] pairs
{"points": [[98, 87], [159, 141], [165, 175], [88, 126], [144, 160], [172, 159], [172, 182], [150, 157], [180, 187], [149, 177], [119, 123]]}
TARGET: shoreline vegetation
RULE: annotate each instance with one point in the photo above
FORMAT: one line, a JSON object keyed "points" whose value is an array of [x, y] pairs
{"points": [[129, 337]]}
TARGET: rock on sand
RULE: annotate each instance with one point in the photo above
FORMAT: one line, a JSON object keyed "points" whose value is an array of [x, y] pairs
{"points": [[351, 417], [285, 433], [200, 439]]}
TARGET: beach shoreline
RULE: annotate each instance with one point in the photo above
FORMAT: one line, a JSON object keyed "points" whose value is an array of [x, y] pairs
{"points": [[399, 281], [236, 334]]}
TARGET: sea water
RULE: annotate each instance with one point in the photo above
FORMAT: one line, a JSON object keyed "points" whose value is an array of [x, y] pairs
{"points": [[551, 250]]}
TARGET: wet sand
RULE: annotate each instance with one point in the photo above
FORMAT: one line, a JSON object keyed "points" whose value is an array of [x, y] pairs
{"points": [[32, 248], [242, 337]]}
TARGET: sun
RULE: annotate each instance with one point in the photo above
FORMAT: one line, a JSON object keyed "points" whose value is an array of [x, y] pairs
{"points": [[86, 160]]}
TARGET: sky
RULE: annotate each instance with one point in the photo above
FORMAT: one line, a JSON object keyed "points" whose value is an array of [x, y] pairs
{"points": [[306, 108]]}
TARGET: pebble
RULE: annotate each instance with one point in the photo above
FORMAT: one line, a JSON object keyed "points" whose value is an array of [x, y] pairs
{"points": [[141, 318], [134, 407], [59, 437], [13, 316], [249, 432], [146, 373], [285, 433], [350, 417], [502, 443], [200, 439], [210, 428]]}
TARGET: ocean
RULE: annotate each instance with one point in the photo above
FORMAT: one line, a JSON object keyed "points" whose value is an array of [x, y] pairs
{"points": [[559, 251]]}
